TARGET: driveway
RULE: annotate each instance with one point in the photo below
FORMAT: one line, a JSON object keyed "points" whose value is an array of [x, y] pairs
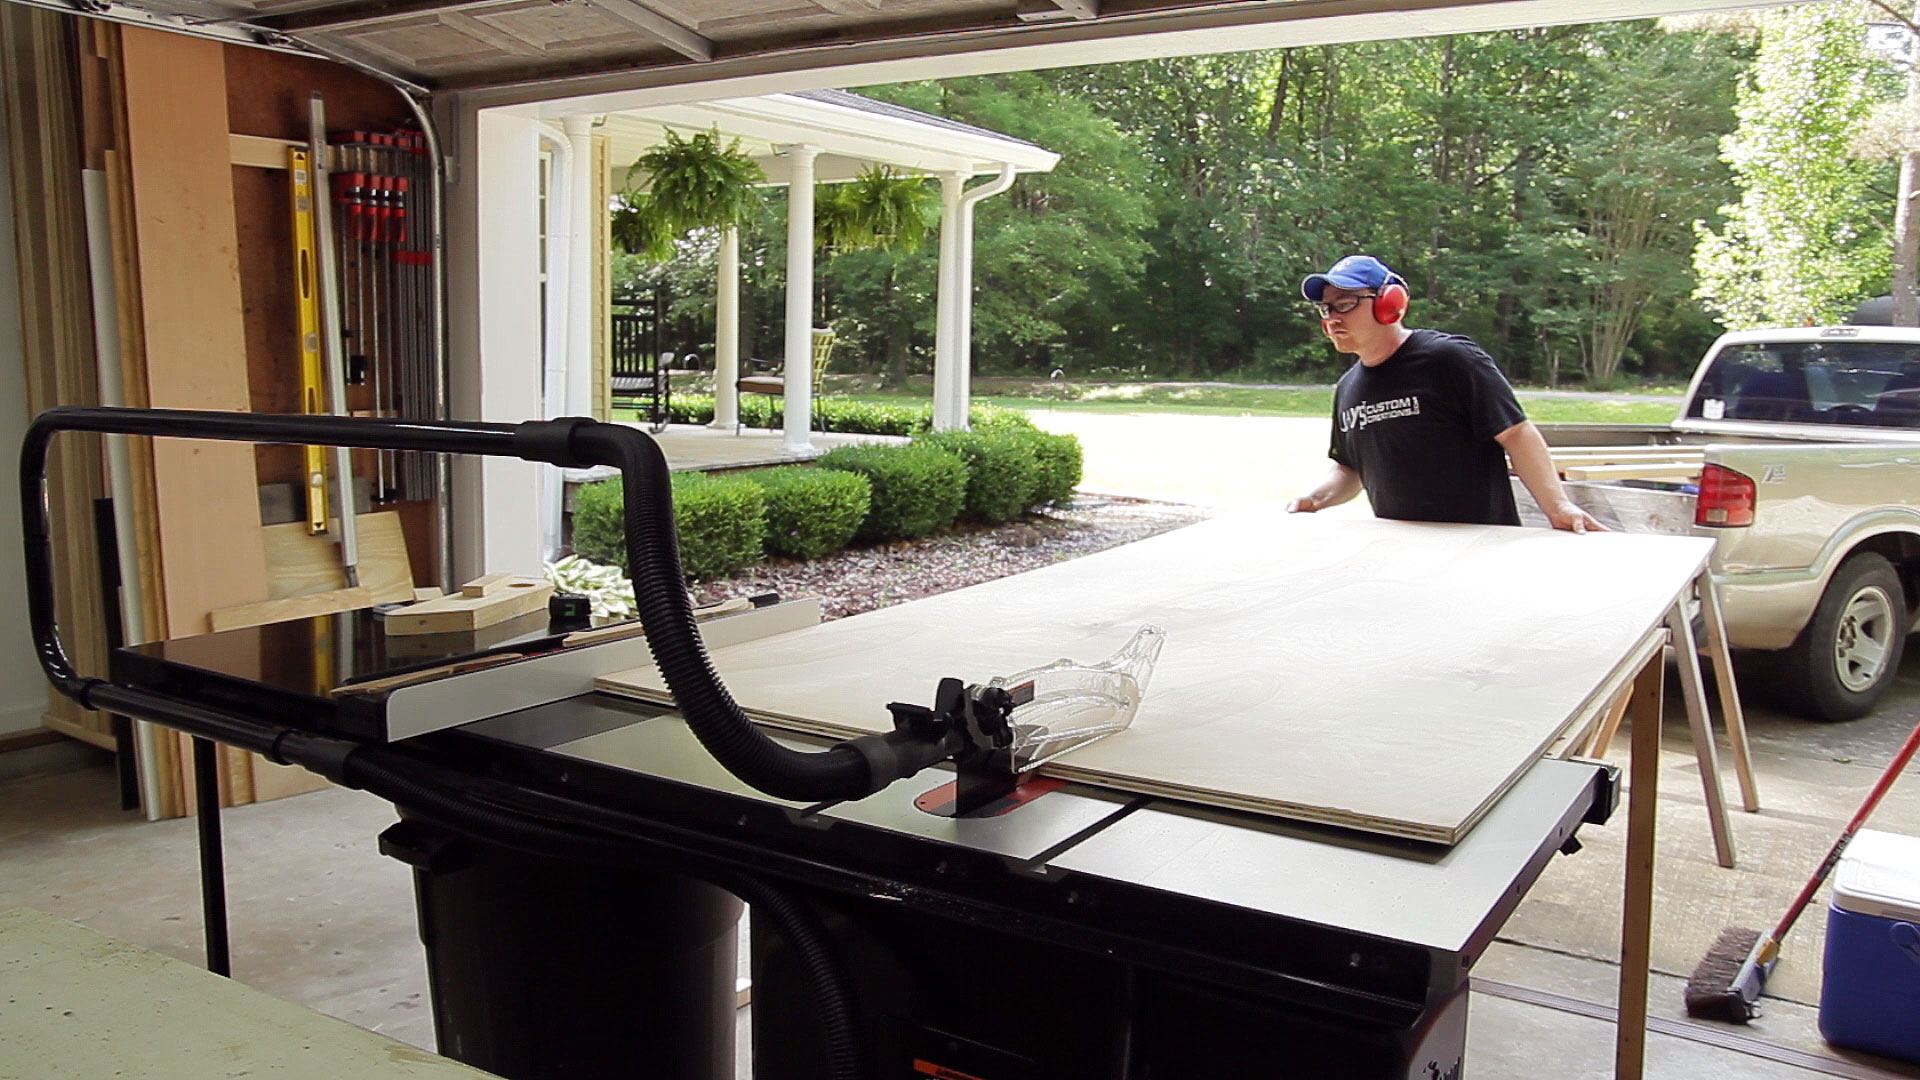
{"points": [[1217, 461]]}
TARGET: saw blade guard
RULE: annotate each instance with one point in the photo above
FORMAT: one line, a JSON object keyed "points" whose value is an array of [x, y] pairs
{"points": [[1073, 704]]}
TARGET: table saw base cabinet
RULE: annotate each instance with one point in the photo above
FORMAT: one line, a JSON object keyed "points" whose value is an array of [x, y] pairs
{"points": [[962, 1002], [1078, 934], [542, 968], [580, 865]]}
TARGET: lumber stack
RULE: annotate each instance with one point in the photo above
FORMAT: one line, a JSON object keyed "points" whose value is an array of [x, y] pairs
{"points": [[1679, 463]]}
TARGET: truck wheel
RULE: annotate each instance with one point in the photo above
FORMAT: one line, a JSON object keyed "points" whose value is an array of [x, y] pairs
{"points": [[1847, 656]]}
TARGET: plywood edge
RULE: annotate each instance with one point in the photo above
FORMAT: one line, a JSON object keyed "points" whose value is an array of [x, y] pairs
{"points": [[293, 607]]}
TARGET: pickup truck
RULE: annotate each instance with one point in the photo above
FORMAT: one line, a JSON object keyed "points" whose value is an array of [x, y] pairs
{"points": [[1798, 452]]}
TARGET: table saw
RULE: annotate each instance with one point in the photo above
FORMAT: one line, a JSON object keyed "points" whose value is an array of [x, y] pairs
{"points": [[581, 857], [1065, 931]]}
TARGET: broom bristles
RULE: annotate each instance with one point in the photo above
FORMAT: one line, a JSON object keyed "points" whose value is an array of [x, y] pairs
{"points": [[1714, 991]]}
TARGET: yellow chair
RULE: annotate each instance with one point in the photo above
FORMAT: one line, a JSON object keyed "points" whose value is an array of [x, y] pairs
{"points": [[776, 385]]}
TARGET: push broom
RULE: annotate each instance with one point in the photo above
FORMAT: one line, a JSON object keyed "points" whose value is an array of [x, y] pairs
{"points": [[1728, 982]]}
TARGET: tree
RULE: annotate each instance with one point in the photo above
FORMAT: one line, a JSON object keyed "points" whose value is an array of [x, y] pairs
{"points": [[1794, 247], [1640, 172], [1057, 258]]}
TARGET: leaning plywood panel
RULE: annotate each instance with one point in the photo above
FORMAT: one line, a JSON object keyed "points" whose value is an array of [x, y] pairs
{"points": [[207, 502], [1390, 676]]}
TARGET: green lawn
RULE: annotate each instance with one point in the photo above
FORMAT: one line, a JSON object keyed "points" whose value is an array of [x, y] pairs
{"points": [[1219, 400]]}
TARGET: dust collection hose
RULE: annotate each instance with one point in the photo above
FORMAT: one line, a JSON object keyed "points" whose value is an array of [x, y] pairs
{"points": [[654, 560], [849, 770]]}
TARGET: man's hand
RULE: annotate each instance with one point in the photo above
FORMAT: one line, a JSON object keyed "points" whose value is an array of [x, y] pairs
{"points": [[1570, 518], [1341, 484]]}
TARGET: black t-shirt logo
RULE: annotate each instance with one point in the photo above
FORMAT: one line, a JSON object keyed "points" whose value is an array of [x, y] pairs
{"points": [[1359, 416]]}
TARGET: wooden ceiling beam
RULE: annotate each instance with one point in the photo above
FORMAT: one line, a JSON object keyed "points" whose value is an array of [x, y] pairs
{"points": [[1056, 10], [361, 13], [657, 26]]}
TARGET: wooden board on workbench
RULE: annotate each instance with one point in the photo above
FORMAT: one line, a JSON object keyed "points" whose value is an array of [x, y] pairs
{"points": [[1383, 675], [501, 600]]}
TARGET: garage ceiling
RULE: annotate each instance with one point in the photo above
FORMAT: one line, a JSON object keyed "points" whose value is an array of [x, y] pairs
{"points": [[513, 51]]}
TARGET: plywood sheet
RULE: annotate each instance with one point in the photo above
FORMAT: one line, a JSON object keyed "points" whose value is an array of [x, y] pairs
{"points": [[300, 563], [1390, 676], [83, 1004], [192, 322]]}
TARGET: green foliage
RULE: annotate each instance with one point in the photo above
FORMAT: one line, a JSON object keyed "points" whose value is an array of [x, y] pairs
{"points": [[1058, 461], [599, 526], [1538, 186], [916, 489], [639, 229], [721, 521], [1002, 471], [1642, 171], [876, 211], [874, 418], [851, 416], [811, 512], [1793, 247], [990, 417], [695, 182]]}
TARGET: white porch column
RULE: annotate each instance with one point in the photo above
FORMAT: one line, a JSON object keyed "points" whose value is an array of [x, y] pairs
{"points": [[580, 255], [726, 333], [798, 369], [947, 313]]}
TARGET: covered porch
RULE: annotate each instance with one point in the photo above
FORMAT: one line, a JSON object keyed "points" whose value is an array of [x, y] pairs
{"points": [[799, 140], [831, 136]]}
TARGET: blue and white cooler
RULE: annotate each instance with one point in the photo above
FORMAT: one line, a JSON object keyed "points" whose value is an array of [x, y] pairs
{"points": [[1870, 995]]}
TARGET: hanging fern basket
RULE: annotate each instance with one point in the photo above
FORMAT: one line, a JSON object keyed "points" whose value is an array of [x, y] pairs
{"points": [[698, 182], [877, 211]]}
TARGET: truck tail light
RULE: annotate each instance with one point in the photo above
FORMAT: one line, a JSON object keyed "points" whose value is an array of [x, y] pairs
{"points": [[1726, 497]]}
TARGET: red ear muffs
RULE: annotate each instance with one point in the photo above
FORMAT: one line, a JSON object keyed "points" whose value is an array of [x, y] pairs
{"points": [[1391, 304]]}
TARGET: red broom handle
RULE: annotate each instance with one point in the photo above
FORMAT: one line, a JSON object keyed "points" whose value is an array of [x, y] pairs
{"points": [[1846, 837]]}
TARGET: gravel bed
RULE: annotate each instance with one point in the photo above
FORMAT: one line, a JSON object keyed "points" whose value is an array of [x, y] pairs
{"points": [[854, 580]]}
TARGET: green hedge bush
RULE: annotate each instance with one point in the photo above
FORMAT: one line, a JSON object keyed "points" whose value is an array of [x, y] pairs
{"points": [[1060, 466], [997, 418], [1003, 470], [811, 512], [722, 522], [916, 489], [842, 414], [599, 527]]}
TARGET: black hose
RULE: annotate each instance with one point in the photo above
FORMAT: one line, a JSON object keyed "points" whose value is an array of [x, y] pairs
{"points": [[850, 770], [832, 983], [834, 997], [659, 587]]}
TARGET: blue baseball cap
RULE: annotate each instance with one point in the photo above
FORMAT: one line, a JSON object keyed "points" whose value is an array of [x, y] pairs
{"points": [[1352, 272]]}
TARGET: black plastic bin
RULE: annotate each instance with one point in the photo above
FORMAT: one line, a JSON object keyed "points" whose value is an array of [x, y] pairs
{"points": [[545, 969]]}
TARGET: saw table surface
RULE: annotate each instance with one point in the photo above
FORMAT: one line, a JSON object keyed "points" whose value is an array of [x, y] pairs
{"points": [[1383, 675]]}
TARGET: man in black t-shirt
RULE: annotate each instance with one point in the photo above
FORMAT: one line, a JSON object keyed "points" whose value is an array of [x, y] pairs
{"points": [[1424, 421]]}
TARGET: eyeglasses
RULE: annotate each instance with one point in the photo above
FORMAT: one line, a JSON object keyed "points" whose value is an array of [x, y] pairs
{"points": [[1343, 305]]}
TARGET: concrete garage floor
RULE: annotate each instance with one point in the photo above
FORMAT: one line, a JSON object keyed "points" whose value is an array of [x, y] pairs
{"points": [[321, 918]]}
